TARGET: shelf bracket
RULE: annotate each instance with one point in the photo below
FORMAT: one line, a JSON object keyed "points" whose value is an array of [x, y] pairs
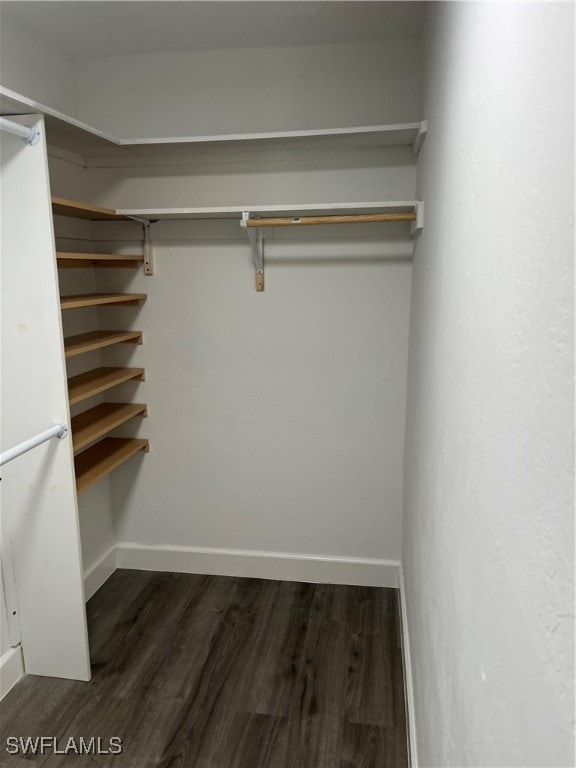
{"points": [[257, 243], [148, 254], [417, 226], [420, 136]]}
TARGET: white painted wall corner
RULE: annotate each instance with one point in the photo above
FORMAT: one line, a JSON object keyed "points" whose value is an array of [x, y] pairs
{"points": [[408, 683], [11, 669]]}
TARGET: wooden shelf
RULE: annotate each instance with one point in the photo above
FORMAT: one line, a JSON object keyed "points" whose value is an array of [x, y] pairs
{"points": [[93, 424], [88, 342], [99, 380], [104, 457], [97, 299], [99, 260], [62, 207]]}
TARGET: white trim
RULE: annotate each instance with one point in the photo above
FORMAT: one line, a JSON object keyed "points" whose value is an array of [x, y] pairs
{"points": [[408, 682], [11, 669], [413, 128], [232, 211], [260, 565], [100, 572], [74, 130], [390, 128]]}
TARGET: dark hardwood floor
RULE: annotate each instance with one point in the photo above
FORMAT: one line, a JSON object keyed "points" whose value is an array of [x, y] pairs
{"points": [[217, 672]]}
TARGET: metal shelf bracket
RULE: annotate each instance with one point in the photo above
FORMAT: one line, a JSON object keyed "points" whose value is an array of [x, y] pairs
{"points": [[257, 243], [148, 254]]}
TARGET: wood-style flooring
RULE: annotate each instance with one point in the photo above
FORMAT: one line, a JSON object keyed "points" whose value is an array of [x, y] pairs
{"points": [[217, 672]]}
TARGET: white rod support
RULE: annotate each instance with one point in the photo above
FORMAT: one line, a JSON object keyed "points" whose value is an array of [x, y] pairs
{"points": [[417, 226], [255, 237], [55, 430], [148, 257], [30, 135]]}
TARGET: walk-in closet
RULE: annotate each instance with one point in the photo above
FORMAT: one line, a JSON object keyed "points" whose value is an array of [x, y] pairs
{"points": [[287, 384]]}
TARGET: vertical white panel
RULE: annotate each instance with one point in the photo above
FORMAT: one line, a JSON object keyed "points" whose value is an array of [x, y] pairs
{"points": [[39, 497], [5, 641]]}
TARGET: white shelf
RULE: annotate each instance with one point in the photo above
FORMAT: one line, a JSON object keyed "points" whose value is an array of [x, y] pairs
{"points": [[235, 211], [70, 135], [401, 134], [66, 132]]}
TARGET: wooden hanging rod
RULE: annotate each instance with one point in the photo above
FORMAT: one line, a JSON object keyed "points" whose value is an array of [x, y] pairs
{"points": [[353, 218]]}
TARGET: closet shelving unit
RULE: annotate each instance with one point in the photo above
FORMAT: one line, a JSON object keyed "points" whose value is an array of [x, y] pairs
{"points": [[258, 219], [88, 147], [96, 454], [77, 142]]}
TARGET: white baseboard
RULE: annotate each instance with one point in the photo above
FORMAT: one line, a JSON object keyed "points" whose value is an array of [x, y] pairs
{"points": [[98, 573], [260, 565], [408, 682], [11, 669]]}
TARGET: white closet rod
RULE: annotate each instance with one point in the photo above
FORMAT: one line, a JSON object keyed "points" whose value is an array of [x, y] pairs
{"points": [[55, 430], [30, 135]]}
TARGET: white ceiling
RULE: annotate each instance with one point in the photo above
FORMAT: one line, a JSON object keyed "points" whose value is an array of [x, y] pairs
{"points": [[83, 28]]}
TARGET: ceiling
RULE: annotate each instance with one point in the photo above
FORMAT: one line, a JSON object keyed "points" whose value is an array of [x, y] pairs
{"points": [[86, 28]]}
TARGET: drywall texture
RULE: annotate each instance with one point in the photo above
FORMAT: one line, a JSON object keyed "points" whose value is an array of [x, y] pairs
{"points": [[251, 89], [251, 178], [276, 419], [488, 526], [33, 69]]}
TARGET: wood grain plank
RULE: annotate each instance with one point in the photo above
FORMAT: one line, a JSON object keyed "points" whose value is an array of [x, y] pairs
{"points": [[98, 380], [91, 425], [69, 260], [372, 746], [184, 666], [74, 256], [354, 218], [104, 457], [77, 210], [93, 340], [78, 301]]}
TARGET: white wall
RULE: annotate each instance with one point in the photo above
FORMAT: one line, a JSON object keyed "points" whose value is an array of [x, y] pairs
{"points": [[298, 177], [275, 420], [244, 90], [33, 69], [349, 430], [38, 496], [488, 528]]}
